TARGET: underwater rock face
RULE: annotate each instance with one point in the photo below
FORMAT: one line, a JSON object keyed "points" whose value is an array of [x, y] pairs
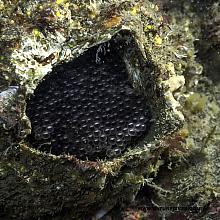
{"points": [[88, 108]]}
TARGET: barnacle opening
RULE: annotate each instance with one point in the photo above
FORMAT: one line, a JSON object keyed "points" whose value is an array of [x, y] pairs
{"points": [[95, 106]]}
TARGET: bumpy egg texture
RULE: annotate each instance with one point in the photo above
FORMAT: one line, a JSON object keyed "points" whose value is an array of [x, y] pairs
{"points": [[88, 108]]}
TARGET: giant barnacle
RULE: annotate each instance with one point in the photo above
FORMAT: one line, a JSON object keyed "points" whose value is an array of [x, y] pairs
{"points": [[90, 102]]}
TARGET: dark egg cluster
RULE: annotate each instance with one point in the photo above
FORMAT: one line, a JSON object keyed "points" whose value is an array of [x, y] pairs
{"points": [[87, 109]]}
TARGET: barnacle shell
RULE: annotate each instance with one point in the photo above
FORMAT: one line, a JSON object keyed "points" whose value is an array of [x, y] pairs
{"points": [[35, 183]]}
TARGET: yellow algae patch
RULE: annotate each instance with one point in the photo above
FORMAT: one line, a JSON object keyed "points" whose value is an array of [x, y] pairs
{"points": [[158, 40]]}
